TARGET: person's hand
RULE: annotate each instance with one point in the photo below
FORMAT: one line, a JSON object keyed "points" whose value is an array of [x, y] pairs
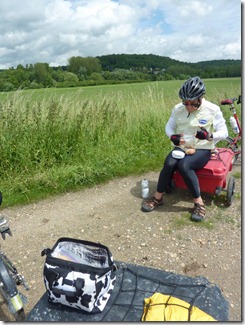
{"points": [[203, 134], [175, 138]]}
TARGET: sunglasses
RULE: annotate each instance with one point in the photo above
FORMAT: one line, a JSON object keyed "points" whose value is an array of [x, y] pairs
{"points": [[191, 104]]}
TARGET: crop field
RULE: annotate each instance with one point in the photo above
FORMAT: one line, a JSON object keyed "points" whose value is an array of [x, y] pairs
{"points": [[56, 140]]}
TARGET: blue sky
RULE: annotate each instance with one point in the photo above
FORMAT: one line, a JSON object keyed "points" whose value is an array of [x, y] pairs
{"points": [[52, 31]]}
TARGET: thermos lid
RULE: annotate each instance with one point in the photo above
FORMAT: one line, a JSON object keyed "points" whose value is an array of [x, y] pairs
{"points": [[178, 154]]}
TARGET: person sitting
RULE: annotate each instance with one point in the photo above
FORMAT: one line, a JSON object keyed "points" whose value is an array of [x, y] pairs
{"points": [[195, 125]]}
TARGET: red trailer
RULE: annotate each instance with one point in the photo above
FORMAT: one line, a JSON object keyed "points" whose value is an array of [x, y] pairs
{"points": [[213, 177]]}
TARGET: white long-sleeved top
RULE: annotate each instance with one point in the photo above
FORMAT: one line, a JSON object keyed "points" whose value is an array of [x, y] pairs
{"points": [[207, 115]]}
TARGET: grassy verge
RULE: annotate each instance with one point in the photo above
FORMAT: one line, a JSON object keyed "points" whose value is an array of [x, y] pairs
{"points": [[54, 141]]}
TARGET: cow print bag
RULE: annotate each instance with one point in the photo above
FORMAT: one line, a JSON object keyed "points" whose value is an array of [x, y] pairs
{"points": [[79, 274]]}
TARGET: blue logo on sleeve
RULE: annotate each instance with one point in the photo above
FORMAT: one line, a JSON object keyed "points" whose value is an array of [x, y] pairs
{"points": [[203, 121]]}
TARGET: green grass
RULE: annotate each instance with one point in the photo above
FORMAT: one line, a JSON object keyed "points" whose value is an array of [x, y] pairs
{"points": [[236, 174], [57, 140], [184, 220]]}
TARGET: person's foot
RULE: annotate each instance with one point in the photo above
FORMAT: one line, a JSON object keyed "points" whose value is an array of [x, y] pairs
{"points": [[150, 205], [199, 212]]}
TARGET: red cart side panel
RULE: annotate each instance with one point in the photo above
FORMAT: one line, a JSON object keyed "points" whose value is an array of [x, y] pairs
{"points": [[214, 174]]}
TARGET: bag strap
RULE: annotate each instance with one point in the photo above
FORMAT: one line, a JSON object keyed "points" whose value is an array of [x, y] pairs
{"points": [[46, 251], [66, 293]]}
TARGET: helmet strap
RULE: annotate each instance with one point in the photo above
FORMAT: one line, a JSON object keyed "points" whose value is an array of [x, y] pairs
{"points": [[199, 103], [197, 106]]}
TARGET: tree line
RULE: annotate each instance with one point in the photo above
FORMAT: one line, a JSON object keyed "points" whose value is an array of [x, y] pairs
{"points": [[111, 69]]}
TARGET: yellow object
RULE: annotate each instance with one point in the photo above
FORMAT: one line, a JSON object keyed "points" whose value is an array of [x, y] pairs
{"points": [[160, 307], [17, 302], [190, 151]]}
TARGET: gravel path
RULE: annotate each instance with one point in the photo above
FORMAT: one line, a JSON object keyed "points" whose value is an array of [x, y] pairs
{"points": [[111, 214]]}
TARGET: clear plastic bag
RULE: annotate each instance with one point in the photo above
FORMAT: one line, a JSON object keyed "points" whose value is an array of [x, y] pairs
{"points": [[78, 253]]}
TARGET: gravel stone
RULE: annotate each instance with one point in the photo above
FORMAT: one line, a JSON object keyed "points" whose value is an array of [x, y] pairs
{"points": [[111, 214]]}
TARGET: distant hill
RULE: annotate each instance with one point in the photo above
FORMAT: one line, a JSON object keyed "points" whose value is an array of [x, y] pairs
{"points": [[153, 62], [112, 69], [127, 61]]}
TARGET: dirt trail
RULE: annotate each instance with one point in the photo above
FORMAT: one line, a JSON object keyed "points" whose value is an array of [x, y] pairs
{"points": [[111, 214]]}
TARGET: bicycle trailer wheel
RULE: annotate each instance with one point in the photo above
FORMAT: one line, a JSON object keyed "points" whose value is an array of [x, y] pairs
{"points": [[230, 190]]}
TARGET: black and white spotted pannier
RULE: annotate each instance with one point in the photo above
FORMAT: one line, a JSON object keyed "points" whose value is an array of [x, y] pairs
{"points": [[79, 274]]}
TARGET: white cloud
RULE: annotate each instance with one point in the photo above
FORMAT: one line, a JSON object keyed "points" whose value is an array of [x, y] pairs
{"points": [[52, 31], [231, 49], [194, 9]]}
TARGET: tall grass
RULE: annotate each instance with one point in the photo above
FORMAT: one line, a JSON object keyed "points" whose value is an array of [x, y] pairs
{"points": [[55, 145], [54, 140]]}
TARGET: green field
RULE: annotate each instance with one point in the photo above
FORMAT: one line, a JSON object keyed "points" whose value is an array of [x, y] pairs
{"points": [[57, 140]]}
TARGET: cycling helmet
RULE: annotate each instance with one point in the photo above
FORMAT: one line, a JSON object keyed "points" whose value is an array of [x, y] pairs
{"points": [[192, 89]]}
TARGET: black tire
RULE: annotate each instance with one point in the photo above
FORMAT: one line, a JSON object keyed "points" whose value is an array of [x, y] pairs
{"points": [[228, 143], [230, 190], [9, 291]]}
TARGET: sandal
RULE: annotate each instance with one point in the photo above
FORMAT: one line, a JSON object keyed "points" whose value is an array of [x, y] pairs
{"points": [[199, 212], [150, 205]]}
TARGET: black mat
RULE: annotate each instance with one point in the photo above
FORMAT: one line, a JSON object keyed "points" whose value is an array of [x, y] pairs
{"points": [[133, 284]]}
